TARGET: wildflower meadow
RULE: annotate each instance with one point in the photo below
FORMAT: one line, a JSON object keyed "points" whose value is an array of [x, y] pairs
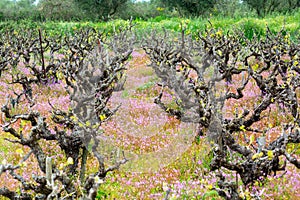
{"points": [[127, 110]]}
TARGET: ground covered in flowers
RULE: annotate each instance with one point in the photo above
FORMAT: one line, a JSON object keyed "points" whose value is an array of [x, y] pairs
{"points": [[165, 158]]}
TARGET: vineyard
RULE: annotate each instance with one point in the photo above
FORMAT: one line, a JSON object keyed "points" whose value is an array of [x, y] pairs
{"points": [[166, 109]]}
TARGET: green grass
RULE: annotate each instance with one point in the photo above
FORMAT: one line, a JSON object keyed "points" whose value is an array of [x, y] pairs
{"points": [[4, 146], [146, 86], [250, 25]]}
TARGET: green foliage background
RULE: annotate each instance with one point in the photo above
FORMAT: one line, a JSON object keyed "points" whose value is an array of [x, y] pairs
{"points": [[251, 26], [104, 10]]}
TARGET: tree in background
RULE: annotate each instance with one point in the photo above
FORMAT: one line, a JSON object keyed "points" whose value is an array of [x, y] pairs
{"points": [[230, 8], [96, 10], [293, 3], [265, 7], [59, 10], [4, 8], [100, 9], [191, 7], [17, 9], [142, 10]]}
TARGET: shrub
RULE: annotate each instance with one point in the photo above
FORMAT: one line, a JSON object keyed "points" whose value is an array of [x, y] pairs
{"points": [[235, 89], [53, 140]]}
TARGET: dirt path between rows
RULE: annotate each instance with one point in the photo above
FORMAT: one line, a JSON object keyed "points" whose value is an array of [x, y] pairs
{"points": [[150, 138]]}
